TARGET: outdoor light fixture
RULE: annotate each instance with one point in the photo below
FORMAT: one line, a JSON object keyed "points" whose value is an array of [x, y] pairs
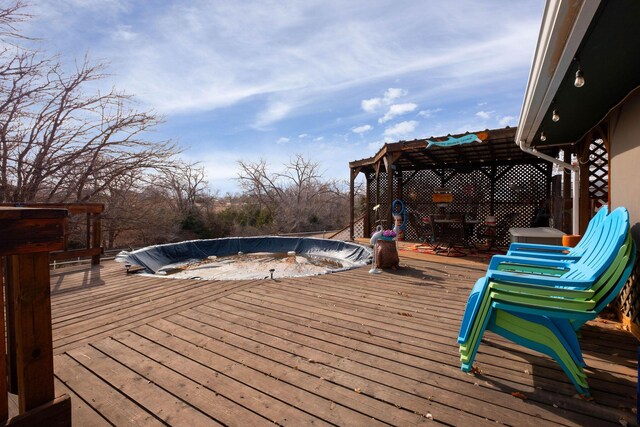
{"points": [[579, 82], [543, 138], [555, 116]]}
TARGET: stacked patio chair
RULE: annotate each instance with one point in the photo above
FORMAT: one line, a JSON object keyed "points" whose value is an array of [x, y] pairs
{"points": [[541, 303], [561, 252]]}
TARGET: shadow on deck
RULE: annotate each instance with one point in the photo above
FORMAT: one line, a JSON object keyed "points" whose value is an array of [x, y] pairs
{"points": [[342, 349]]}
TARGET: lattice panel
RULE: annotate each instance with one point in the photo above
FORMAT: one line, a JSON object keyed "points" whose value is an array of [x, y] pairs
{"points": [[382, 200], [599, 172], [358, 231], [417, 198], [628, 302], [519, 189]]}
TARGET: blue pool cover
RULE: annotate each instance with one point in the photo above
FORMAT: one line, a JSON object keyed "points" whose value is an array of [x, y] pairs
{"points": [[153, 258]]}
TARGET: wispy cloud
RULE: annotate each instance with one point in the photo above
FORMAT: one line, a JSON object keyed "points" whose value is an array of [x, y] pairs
{"points": [[282, 140], [400, 129], [396, 110], [507, 121], [274, 112], [233, 73], [429, 113], [484, 114], [362, 129], [373, 104]]}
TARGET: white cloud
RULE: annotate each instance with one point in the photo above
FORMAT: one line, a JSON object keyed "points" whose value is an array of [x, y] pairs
{"points": [[282, 140], [373, 104], [393, 93], [303, 135], [484, 114], [274, 112], [362, 129], [401, 128], [397, 110], [312, 60], [318, 139], [123, 33], [507, 121], [429, 113]]}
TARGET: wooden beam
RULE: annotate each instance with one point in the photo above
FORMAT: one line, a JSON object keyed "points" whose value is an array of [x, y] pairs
{"points": [[367, 213], [352, 179], [56, 413], [388, 163], [28, 278], [76, 253], [406, 181], [582, 150], [96, 237], [4, 407]]}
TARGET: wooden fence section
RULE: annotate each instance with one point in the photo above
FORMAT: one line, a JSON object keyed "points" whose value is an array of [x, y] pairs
{"points": [[93, 229], [26, 369]]}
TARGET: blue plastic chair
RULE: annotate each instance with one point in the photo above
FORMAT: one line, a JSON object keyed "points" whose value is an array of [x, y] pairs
{"points": [[579, 275], [562, 252], [555, 327], [561, 303]]}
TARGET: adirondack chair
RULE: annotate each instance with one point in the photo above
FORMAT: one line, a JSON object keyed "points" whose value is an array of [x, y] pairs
{"points": [[579, 275], [536, 328], [546, 318], [549, 298], [562, 252]]}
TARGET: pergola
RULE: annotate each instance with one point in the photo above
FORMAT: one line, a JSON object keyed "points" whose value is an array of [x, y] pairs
{"points": [[487, 174]]}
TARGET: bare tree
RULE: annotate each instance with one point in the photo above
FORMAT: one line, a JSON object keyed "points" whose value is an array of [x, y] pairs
{"points": [[297, 197], [185, 184], [59, 142]]}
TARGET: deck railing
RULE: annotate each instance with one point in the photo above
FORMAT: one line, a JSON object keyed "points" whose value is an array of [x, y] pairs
{"points": [[26, 368], [92, 236]]}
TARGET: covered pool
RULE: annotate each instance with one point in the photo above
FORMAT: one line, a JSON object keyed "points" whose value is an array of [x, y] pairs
{"points": [[247, 258]]}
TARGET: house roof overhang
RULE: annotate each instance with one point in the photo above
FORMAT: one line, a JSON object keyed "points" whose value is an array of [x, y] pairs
{"points": [[600, 37]]}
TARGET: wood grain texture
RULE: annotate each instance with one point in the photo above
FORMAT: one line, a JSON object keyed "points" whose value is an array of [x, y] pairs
{"points": [[342, 349]]}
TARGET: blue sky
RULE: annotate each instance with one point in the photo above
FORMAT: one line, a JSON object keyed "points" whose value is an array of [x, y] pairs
{"points": [[331, 80]]}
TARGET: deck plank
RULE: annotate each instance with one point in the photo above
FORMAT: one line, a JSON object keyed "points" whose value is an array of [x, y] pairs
{"points": [[167, 407], [348, 348]]}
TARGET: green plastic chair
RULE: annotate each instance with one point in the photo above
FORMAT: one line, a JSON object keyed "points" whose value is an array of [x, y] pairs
{"points": [[547, 322], [548, 299], [580, 275]]}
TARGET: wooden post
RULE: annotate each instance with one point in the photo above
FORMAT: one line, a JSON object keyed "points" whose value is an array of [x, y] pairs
{"points": [[30, 290], [567, 200], [28, 236], [492, 197], [96, 237], [585, 200], [4, 407], [388, 165], [352, 178], [367, 204], [377, 194]]}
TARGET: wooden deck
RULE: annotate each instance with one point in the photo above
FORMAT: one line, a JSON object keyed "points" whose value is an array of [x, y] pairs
{"points": [[342, 349]]}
